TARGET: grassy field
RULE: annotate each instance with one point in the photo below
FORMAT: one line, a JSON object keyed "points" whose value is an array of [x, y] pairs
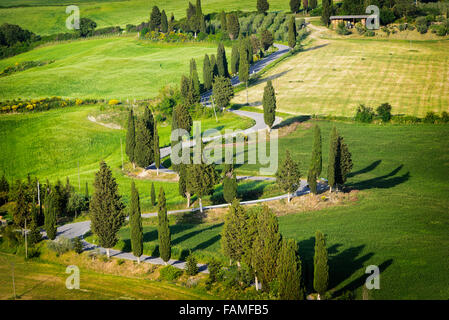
{"points": [[399, 223], [111, 68], [48, 16], [334, 77], [50, 144], [45, 280]]}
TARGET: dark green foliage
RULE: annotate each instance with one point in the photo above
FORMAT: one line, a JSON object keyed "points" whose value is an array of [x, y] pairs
{"points": [[50, 215], [235, 57], [262, 6], [232, 25], [185, 87], [87, 27], [21, 213], [312, 4], [144, 154], [183, 118], [316, 162], [289, 272], [333, 158], [222, 91], [229, 188], [4, 190], [153, 195], [11, 34], [384, 112], [422, 25], [269, 104], [223, 21], [364, 114], [77, 245], [213, 66], [214, 268], [340, 160], [155, 19], [163, 229], [292, 32], [244, 63], [345, 160], [342, 30], [311, 180], [266, 39], [135, 221], [164, 22], [326, 12], [156, 148], [295, 5], [191, 265], [130, 137], [320, 265], [431, 117], [200, 21], [233, 235], [194, 79], [86, 192], [288, 176], [222, 62], [170, 273], [207, 73], [266, 247], [205, 177], [34, 235], [106, 208]]}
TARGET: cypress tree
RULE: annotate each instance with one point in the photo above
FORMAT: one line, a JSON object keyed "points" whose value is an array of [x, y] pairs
{"points": [[50, 215], [207, 73], [295, 5], [344, 164], [185, 87], [262, 6], [290, 272], [266, 247], [194, 78], [235, 57], [34, 236], [156, 148], [183, 118], [21, 213], [232, 25], [144, 140], [333, 159], [312, 4], [135, 221], [292, 32], [311, 180], [222, 62], [153, 195], [223, 21], [155, 19], [269, 105], [184, 182], [249, 50], [171, 23], [321, 267], [163, 228], [191, 265], [233, 233], [106, 208], [130, 138], [193, 95], [222, 91], [316, 163], [229, 188], [164, 22], [214, 67], [288, 176], [305, 4], [244, 66], [199, 17], [86, 192], [326, 12]]}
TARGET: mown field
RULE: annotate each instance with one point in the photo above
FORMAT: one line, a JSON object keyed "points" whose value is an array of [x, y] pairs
{"points": [[111, 68], [399, 223], [48, 16], [51, 144], [335, 76]]}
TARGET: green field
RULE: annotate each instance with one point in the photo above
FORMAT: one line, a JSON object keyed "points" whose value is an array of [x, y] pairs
{"points": [[111, 68], [332, 77], [48, 18], [399, 223]]}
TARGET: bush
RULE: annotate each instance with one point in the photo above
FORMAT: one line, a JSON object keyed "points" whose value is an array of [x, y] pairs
{"points": [[113, 102], [342, 30], [431, 117], [361, 29], [214, 270], [444, 117], [364, 114], [60, 245], [77, 245], [170, 273], [191, 265], [421, 25], [384, 112], [370, 33]]}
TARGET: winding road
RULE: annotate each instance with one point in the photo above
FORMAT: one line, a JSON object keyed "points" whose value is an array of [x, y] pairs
{"points": [[79, 229]]}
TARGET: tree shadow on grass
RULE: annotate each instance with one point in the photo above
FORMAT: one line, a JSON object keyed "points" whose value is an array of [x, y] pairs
{"points": [[369, 168], [189, 235], [291, 120], [205, 244], [383, 182]]}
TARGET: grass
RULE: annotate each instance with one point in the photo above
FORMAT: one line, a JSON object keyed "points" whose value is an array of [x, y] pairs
{"points": [[45, 280], [104, 68], [44, 17], [51, 144], [399, 223], [318, 80]]}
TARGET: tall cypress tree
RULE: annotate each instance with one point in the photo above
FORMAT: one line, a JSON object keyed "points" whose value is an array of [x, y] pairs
{"points": [[345, 159], [199, 17], [244, 66], [34, 235], [163, 229], [289, 272], [164, 22], [235, 57], [295, 5], [106, 208], [222, 62], [317, 160], [333, 159], [288, 176], [135, 221], [292, 32], [234, 232], [144, 140], [156, 148], [213, 67], [269, 104], [232, 25], [194, 77], [207, 73], [223, 21], [326, 12], [185, 87], [262, 6], [321, 267], [21, 213], [249, 50], [155, 19], [184, 183], [50, 215], [229, 188], [152, 195], [131, 138]]}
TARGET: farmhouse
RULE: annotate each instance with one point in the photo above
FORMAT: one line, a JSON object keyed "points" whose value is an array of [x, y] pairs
{"points": [[349, 21]]}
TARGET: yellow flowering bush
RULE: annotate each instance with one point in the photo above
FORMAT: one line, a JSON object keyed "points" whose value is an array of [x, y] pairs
{"points": [[113, 102]]}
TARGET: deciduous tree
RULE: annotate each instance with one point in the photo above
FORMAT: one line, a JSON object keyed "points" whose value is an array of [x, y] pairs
{"points": [[262, 6], [288, 176], [222, 91]]}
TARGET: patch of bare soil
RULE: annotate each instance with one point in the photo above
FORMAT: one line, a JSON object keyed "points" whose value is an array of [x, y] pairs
{"points": [[152, 175], [107, 125]]}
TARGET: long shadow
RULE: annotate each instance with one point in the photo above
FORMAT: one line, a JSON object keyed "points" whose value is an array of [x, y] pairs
{"points": [[316, 47], [207, 243], [289, 121], [193, 233], [369, 168], [382, 182], [272, 77], [253, 190]]}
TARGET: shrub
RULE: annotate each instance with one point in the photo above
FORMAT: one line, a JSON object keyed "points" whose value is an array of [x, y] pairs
{"points": [[342, 30], [214, 270], [361, 29], [77, 245], [170, 273], [384, 112], [60, 245], [113, 102], [364, 114], [191, 265], [431, 117], [421, 24], [370, 33], [444, 117]]}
